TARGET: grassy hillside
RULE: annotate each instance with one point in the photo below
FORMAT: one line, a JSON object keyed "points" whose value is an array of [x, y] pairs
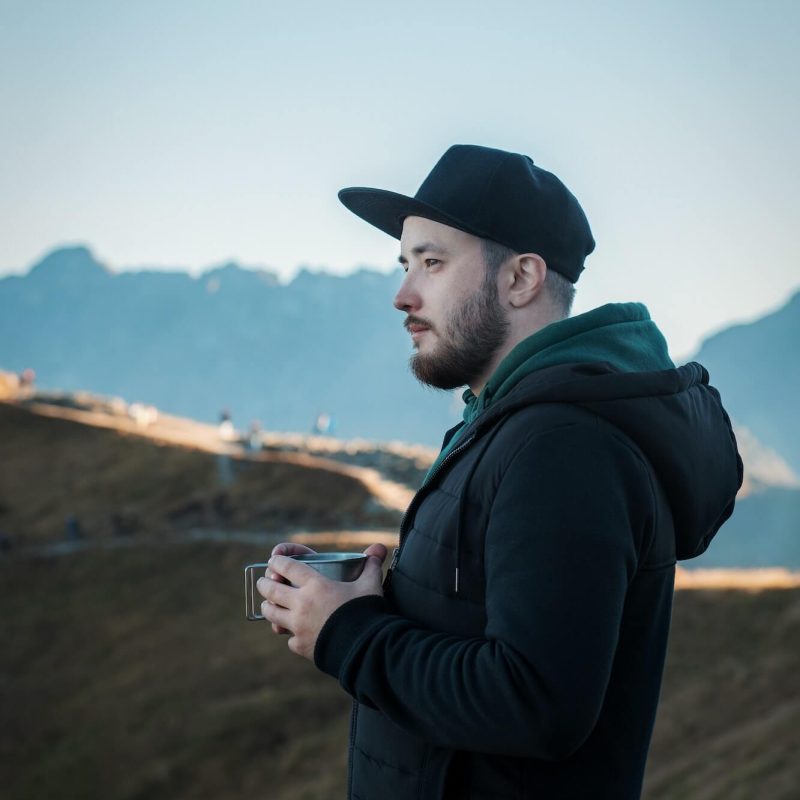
{"points": [[728, 726], [118, 482], [132, 674]]}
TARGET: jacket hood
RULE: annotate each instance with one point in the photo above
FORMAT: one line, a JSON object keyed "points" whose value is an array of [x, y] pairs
{"points": [[621, 334], [674, 416]]}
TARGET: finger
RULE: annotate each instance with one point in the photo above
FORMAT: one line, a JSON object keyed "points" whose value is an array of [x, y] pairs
{"points": [[294, 571], [287, 549], [275, 614], [290, 549], [377, 550], [274, 577], [278, 593], [278, 629]]}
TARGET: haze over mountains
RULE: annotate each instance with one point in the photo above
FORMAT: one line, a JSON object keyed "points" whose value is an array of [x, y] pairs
{"points": [[757, 368], [284, 353], [230, 338]]}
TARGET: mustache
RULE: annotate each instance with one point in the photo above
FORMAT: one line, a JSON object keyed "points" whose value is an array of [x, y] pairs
{"points": [[413, 320]]}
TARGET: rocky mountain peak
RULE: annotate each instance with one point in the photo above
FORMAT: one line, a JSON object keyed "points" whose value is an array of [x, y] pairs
{"points": [[76, 262]]}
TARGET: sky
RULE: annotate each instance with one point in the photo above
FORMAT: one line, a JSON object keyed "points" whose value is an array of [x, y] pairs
{"points": [[183, 134]]}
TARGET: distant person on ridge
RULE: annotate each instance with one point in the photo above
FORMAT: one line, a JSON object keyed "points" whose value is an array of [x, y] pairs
{"points": [[226, 430], [516, 646]]}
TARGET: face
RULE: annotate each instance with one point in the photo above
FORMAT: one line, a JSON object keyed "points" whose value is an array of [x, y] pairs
{"points": [[452, 311]]}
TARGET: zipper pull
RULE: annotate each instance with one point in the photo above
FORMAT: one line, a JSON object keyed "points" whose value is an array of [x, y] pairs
{"points": [[392, 565]]}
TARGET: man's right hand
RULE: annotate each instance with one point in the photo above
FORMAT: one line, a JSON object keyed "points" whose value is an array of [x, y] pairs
{"points": [[285, 549]]}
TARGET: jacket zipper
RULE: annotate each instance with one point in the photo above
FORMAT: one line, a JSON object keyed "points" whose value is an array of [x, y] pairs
{"points": [[459, 448], [353, 716]]}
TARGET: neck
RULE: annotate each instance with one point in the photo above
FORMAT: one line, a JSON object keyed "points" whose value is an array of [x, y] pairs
{"points": [[519, 330]]}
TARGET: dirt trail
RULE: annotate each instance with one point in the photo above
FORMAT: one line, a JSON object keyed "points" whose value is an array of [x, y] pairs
{"points": [[333, 540], [183, 432], [749, 580]]}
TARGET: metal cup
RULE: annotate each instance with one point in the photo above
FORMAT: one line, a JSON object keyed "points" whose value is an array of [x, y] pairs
{"points": [[334, 566]]}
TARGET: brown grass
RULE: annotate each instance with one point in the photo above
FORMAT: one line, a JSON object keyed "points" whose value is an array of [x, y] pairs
{"points": [[133, 674], [52, 468], [728, 725]]}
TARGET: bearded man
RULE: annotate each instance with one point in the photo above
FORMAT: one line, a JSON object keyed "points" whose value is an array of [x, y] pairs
{"points": [[515, 648]]}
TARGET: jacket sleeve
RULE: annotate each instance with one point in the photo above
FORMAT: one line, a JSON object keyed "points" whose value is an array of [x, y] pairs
{"points": [[561, 547]]}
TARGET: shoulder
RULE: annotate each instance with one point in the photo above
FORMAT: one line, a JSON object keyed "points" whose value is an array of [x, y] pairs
{"points": [[556, 453], [553, 429]]}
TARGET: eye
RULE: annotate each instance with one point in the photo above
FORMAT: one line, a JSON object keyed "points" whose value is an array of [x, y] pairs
{"points": [[432, 262]]}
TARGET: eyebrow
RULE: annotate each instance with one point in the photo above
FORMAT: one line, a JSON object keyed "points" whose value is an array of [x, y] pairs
{"points": [[425, 247]]}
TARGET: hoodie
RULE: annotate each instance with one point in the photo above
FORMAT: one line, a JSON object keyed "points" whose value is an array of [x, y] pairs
{"points": [[519, 645], [619, 334]]}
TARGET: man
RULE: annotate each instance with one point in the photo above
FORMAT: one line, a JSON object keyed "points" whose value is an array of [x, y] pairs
{"points": [[516, 647]]}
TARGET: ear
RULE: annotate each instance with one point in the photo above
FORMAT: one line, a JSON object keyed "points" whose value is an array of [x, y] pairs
{"points": [[527, 278]]}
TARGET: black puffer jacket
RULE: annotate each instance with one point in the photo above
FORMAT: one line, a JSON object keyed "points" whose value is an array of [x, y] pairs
{"points": [[519, 648]]}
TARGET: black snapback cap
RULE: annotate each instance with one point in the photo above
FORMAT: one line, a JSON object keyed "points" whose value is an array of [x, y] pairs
{"points": [[492, 194]]}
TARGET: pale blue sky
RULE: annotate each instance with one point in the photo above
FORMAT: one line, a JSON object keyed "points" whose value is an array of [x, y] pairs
{"points": [[187, 133]]}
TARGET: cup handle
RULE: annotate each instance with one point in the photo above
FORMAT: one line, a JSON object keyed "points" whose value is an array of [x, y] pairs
{"points": [[252, 600]]}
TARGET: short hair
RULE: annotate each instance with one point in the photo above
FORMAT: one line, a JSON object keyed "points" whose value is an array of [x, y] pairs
{"points": [[560, 290], [495, 255]]}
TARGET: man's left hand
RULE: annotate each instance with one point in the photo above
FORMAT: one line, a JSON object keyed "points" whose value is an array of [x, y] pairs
{"points": [[303, 608]]}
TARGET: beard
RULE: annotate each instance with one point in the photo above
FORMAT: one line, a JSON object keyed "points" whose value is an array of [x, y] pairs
{"points": [[472, 336]]}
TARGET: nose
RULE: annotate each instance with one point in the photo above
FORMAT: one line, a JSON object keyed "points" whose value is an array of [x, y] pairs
{"points": [[407, 298]]}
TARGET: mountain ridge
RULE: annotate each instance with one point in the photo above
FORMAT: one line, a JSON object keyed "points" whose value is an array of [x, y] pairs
{"points": [[230, 338], [762, 533], [757, 369], [240, 339]]}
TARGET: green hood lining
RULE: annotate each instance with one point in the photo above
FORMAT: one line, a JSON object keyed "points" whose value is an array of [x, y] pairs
{"points": [[620, 334]]}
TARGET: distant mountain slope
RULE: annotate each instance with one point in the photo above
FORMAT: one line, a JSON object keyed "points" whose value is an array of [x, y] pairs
{"points": [[764, 531], [756, 366], [231, 338], [239, 339], [763, 467]]}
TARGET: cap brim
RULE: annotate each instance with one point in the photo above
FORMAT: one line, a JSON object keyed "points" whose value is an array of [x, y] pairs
{"points": [[387, 210]]}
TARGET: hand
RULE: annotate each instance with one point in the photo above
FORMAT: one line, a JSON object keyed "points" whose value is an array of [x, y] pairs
{"points": [[285, 549], [303, 608]]}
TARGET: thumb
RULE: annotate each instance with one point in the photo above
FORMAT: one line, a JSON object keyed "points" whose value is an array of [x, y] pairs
{"points": [[372, 572], [378, 550]]}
